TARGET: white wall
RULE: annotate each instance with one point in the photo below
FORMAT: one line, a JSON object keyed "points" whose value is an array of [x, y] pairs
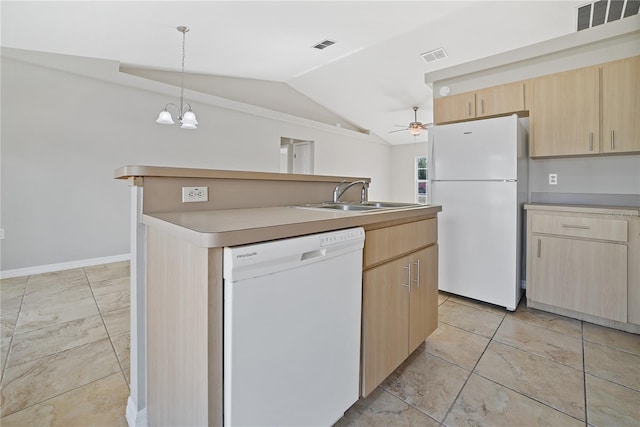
{"points": [[403, 161], [68, 123]]}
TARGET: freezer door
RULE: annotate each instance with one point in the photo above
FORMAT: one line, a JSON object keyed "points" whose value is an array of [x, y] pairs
{"points": [[478, 238], [482, 149]]}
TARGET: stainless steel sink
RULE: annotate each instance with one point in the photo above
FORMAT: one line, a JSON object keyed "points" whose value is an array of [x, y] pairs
{"points": [[357, 206], [391, 204]]}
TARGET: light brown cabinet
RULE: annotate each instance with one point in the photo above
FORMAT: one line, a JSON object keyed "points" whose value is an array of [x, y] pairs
{"points": [[588, 111], [621, 106], [400, 294], [454, 108], [580, 275], [565, 116], [580, 264], [503, 99], [489, 102]]}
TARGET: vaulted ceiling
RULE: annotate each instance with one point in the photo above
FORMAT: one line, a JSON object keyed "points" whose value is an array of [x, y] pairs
{"points": [[372, 76]]}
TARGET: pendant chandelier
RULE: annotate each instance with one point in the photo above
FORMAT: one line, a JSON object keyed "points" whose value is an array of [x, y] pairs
{"points": [[186, 117]]}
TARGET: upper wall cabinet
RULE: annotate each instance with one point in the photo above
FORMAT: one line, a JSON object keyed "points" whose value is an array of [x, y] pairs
{"points": [[493, 101], [503, 99], [621, 106], [564, 118], [588, 111], [454, 108]]}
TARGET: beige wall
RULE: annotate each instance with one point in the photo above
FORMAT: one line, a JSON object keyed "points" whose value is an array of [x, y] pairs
{"points": [[68, 123]]}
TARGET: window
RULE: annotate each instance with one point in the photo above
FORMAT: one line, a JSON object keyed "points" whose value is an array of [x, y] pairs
{"points": [[422, 178]]}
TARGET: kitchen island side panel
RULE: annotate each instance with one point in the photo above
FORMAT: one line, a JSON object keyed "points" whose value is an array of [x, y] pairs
{"points": [[178, 332]]}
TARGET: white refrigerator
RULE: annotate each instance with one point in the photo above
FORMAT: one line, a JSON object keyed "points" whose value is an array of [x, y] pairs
{"points": [[478, 173]]}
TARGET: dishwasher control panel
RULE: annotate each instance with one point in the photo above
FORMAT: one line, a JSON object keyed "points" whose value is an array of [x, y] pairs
{"points": [[341, 236]]}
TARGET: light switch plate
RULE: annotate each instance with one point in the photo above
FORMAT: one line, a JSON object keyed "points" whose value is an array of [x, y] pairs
{"points": [[553, 179]]}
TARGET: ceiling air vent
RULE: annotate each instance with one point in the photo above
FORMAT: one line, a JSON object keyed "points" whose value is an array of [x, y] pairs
{"points": [[603, 11], [323, 44], [434, 55]]}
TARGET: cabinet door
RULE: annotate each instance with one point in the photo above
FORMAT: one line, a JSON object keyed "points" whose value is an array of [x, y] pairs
{"points": [[566, 114], [508, 98], [423, 308], [580, 275], [621, 106], [385, 321], [454, 108]]}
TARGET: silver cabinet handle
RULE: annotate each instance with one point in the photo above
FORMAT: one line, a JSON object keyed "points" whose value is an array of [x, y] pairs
{"points": [[581, 227], [417, 280], [613, 140], [408, 268], [469, 109], [590, 141], [482, 106], [539, 247]]}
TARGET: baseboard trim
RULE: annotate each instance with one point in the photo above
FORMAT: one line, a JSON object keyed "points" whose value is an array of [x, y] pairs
{"points": [[39, 269], [135, 418]]}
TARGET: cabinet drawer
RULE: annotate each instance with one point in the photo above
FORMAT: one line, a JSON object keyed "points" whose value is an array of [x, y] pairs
{"points": [[586, 227], [390, 242]]}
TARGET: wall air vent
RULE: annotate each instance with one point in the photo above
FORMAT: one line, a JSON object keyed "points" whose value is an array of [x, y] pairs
{"points": [[434, 55], [603, 11], [324, 44]]}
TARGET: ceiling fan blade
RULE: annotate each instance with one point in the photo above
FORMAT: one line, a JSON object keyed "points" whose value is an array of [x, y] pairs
{"points": [[399, 130], [402, 126]]}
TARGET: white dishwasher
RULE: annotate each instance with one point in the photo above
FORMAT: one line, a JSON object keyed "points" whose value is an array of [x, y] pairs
{"points": [[292, 312]]}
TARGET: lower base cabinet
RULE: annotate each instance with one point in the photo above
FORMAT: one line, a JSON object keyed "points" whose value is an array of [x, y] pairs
{"points": [[580, 275], [400, 304], [582, 263]]}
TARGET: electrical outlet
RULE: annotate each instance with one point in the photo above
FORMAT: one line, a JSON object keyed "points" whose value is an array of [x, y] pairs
{"points": [[553, 178], [195, 194]]}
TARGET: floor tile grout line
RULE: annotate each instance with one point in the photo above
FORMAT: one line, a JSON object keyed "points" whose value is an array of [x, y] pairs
{"points": [[502, 385], [553, 314], [57, 395], [75, 347], [584, 376], [539, 355], [612, 347], [472, 370], [113, 347], [13, 333], [409, 404], [529, 397]]}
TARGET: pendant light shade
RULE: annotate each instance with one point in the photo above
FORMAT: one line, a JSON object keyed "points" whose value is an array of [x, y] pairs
{"points": [[164, 118], [186, 117], [189, 118]]}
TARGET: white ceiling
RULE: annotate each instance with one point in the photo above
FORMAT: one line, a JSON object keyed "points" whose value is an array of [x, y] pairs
{"points": [[372, 76]]}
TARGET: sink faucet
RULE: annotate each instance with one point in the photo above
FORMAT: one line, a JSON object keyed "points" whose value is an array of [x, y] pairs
{"points": [[337, 193]]}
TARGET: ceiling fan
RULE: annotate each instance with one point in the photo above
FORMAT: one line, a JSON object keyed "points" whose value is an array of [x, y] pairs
{"points": [[415, 127]]}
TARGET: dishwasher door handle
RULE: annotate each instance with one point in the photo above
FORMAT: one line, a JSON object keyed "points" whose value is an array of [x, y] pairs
{"points": [[313, 254]]}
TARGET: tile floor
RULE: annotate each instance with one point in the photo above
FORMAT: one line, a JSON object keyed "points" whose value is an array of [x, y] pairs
{"points": [[65, 361], [65, 347], [485, 366]]}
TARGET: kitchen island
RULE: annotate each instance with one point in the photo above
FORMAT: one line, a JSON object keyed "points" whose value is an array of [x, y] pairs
{"points": [[179, 291]]}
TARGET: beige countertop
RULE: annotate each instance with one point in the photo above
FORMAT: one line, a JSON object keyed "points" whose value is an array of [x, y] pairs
{"points": [[132, 171], [603, 210], [231, 227]]}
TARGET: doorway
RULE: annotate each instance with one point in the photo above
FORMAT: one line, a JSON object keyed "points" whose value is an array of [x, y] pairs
{"points": [[296, 156]]}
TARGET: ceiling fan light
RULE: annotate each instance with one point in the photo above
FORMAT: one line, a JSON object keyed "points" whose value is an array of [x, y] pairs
{"points": [[415, 130], [164, 118]]}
